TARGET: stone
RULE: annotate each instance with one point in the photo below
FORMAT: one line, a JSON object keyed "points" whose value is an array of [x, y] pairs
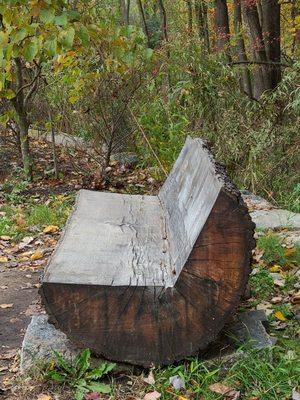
{"points": [[40, 339], [255, 202], [276, 219], [250, 328]]}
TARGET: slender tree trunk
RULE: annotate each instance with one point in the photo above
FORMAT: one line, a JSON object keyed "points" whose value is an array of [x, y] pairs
{"points": [[123, 12], [19, 106], [54, 155], [240, 47], [190, 17], [202, 22], [144, 22], [164, 28], [261, 75], [128, 12], [271, 35], [222, 26], [164, 19]]}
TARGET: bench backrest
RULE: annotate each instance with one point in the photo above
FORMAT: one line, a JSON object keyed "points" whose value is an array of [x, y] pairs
{"points": [[188, 196]]}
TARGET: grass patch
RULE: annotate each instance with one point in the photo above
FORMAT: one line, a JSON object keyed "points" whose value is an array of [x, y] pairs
{"points": [[273, 252], [268, 374], [22, 218], [261, 284]]}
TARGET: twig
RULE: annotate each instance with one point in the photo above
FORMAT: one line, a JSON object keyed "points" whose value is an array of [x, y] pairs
{"points": [[147, 141]]}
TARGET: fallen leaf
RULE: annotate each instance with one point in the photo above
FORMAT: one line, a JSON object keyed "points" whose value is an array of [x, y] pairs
{"points": [[220, 388], [149, 379], [92, 396], [275, 268], [279, 282], [37, 255], [51, 229], [296, 298], [5, 238], [290, 252], [152, 395], [279, 315], [3, 259], [8, 355], [295, 395], [3, 287], [6, 305], [177, 382], [266, 307], [44, 397], [276, 300]]}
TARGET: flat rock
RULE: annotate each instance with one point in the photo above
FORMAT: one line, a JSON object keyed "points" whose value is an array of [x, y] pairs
{"points": [[40, 339], [250, 329], [276, 219]]}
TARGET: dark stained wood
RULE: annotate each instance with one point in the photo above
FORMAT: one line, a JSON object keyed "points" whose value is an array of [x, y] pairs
{"points": [[158, 324]]}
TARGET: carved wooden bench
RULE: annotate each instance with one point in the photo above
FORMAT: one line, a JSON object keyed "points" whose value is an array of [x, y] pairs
{"points": [[152, 279]]}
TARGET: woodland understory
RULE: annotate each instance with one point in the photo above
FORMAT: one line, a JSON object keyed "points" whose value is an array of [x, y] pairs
{"points": [[130, 80]]}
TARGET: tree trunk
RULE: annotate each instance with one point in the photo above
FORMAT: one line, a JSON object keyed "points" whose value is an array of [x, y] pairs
{"points": [[190, 16], [54, 155], [261, 76], [240, 48], [271, 35], [123, 12], [202, 22], [144, 22], [19, 106], [295, 12], [222, 26], [25, 149]]}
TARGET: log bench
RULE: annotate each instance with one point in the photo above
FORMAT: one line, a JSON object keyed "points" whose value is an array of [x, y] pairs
{"points": [[152, 279]]}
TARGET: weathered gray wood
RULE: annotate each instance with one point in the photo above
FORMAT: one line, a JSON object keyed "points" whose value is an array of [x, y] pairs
{"points": [[113, 239], [117, 239], [187, 197]]}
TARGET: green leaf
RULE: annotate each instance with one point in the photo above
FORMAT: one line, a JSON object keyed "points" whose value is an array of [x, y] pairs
{"points": [[8, 94], [4, 118], [47, 15], [99, 387], [31, 49], [19, 35], [56, 376], [62, 20], [80, 392], [67, 37], [63, 363], [148, 53], [83, 35], [51, 47], [103, 369], [82, 362], [3, 38]]}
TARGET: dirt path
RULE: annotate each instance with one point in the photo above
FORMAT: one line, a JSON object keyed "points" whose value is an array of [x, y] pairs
{"points": [[20, 299]]}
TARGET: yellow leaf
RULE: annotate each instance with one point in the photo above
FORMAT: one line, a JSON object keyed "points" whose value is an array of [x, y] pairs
{"points": [[51, 229], [3, 259], [275, 268], [279, 316], [6, 305], [290, 252], [44, 397], [4, 237], [37, 255]]}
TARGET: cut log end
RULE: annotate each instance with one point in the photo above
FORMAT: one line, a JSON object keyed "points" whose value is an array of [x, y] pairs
{"points": [[180, 309]]}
